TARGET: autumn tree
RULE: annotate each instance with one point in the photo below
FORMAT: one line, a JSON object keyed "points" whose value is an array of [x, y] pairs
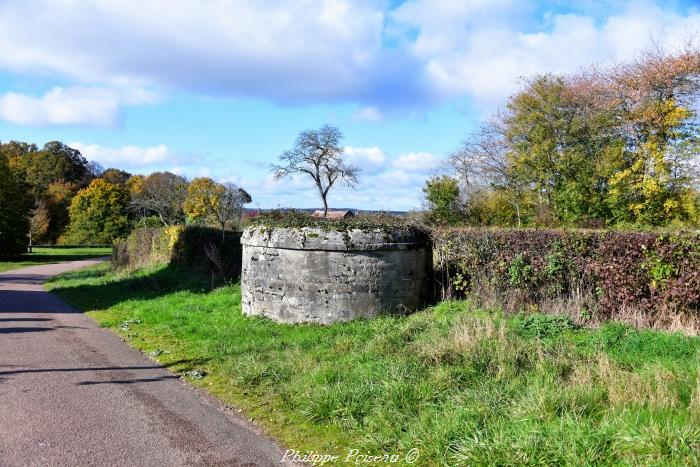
{"points": [[57, 198], [15, 152], [45, 172], [115, 176], [215, 203], [98, 213], [604, 146], [161, 194], [39, 220], [655, 101], [318, 155]]}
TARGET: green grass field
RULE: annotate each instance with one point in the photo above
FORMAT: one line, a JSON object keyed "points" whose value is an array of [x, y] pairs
{"points": [[462, 385], [48, 255]]}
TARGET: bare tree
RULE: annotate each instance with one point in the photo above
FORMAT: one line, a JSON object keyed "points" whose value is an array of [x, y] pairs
{"points": [[161, 194], [318, 154], [482, 162]]}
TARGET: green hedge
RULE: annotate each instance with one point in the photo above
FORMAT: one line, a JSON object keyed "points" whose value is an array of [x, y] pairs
{"points": [[647, 279], [202, 249]]}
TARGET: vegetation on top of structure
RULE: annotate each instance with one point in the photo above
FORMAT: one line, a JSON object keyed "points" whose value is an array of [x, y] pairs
{"points": [[291, 218]]}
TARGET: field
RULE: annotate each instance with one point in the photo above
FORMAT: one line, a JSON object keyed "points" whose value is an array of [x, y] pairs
{"points": [[462, 385], [48, 255]]}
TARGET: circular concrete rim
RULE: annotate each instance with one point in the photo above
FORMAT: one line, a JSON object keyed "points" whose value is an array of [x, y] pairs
{"points": [[317, 239]]}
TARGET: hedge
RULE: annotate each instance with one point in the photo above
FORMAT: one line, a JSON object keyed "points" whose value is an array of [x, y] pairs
{"points": [[646, 279], [201, 249]]}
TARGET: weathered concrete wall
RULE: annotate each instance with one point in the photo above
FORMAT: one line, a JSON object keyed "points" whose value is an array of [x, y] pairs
{"points": [[310, 275]]}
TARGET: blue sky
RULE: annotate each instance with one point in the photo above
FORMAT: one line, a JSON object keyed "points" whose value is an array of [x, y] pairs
{"points": [[222, 88]]}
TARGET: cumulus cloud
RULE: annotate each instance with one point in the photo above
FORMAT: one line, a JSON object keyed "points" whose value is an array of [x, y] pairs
{"points": [[289, 50], [417, 162], [84, 106], [126, 156], [370, 160], [369, 114], [480, 49], [309, 51]]}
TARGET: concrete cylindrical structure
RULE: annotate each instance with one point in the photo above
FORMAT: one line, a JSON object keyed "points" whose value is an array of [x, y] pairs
{"points": [[312, 275]]}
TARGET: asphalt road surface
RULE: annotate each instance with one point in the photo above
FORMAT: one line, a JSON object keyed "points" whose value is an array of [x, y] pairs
{"points": [[74, 394]]}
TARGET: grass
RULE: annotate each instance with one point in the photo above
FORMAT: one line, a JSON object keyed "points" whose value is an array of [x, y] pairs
{"points": [[462, 385], [48, 255]]}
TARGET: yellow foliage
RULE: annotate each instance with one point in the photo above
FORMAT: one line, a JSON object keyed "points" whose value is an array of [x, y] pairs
{"points": [[203, 197]]}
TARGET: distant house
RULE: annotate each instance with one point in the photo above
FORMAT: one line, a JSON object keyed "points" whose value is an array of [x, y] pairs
{"points": [[334, 214]]}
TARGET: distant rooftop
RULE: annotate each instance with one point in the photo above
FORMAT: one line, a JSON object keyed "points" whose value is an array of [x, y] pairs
{"points": [[334, 214]]}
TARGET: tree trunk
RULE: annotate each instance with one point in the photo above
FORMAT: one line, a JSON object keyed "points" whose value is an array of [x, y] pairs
{"points": [[30, 241], [325, 206]]}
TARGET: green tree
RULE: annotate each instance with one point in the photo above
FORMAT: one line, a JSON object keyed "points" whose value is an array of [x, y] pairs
{"points": [[98, 213], [54, 162], [442, 195], [556, 136], [13, 212]]}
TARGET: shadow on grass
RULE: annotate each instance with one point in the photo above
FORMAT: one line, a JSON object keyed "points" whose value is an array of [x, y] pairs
{"points": [[98, 291]]}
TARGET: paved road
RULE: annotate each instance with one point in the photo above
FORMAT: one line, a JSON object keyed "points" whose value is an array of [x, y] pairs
{"points": [[74, 394]]}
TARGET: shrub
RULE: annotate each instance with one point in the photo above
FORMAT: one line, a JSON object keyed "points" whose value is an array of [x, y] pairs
{"points": [[200, 248], [648, 279], [98, 213]]}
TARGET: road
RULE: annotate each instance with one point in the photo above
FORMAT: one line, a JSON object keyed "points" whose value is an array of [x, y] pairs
{"points": [[72, 393]]}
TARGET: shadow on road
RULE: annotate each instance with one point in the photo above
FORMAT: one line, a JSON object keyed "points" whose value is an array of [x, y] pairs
{"points": [[18, 330], [23, 329], [17, 320], [7, 371], [27, 302], [130, 381]]}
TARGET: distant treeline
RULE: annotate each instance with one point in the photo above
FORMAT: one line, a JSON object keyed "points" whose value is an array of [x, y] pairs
{"points": [[54, 195]]}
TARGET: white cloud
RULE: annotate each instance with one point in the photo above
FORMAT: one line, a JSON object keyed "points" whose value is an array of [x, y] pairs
{"points": [[480, 50], [126, 156], [302, 51], [417, 162], [287, 50], [370, 160], [85, 106], [369, 114]]}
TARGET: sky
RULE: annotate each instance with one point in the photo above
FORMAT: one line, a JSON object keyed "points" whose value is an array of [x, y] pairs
{"points": [[221, 88]]}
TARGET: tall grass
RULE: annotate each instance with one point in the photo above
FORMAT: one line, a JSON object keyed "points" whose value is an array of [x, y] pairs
{"points": [[463, 385]]}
